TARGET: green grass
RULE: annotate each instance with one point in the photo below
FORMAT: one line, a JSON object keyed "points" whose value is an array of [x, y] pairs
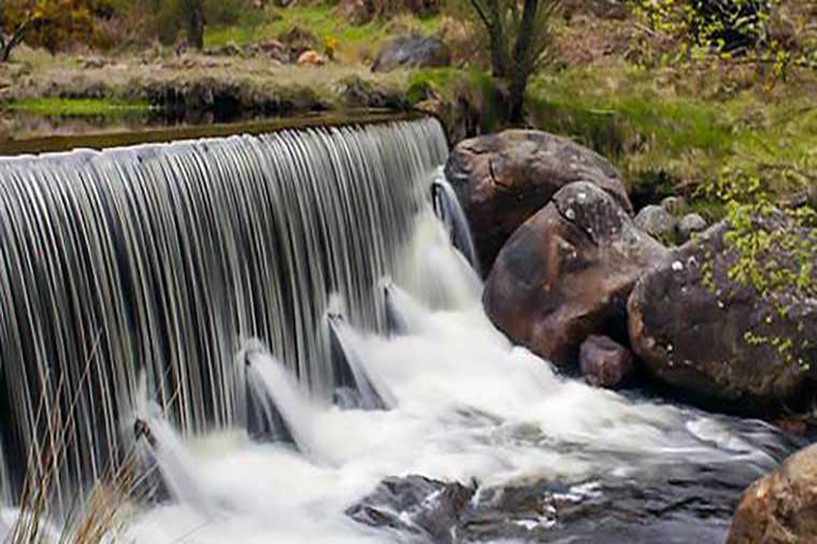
{"points": [[70, 107], [663, 139], [325, 22]]}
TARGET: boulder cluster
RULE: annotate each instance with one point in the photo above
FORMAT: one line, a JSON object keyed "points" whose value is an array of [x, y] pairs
{"points": [[579, 278], [574, 274]]}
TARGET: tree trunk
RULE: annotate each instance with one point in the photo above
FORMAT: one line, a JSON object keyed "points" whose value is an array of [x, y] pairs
{"points": [[496, 34], [524, 61], [194, 22], [516, 115]]}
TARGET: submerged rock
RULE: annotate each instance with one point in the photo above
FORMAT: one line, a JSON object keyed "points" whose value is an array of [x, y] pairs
{"points": [[782, 507], [677, 504], [503, 179], [656, 221], [413, 51], [567, 272], [605, 362], [417, 505], [700, 331]]}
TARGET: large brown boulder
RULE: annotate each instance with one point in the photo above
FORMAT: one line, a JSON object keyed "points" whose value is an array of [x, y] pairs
{"points": [[566, 273], [503, 179], [782, 507], [699, 330]]}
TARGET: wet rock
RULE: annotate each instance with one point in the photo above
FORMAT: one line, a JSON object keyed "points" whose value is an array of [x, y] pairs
{"points": [[657, 222], [503, 179], [416, 505], [311, 58], [676, 504], [706, 334], [566, 273], [792, 425], [605, 362], [412, 52], [691, 224], [782, 507]]}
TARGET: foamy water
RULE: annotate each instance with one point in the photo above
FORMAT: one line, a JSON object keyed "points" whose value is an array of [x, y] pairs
{"points": [[466, 405]]}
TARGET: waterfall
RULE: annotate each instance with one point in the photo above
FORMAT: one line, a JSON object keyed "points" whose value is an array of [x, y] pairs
{"points": [[162, 259], [5, 490], [448, 209], [269, 377]]}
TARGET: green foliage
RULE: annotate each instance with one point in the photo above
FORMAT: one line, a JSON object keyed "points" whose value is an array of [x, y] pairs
{"points": [[53, 24], [775, 251], [701, 32], [726, 25]]}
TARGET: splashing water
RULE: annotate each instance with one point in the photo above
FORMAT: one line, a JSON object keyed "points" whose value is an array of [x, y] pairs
{"points": [[175, 255], [467, 406]]}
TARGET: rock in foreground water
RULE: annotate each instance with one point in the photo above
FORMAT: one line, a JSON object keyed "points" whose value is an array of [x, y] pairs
{"points": [[567, 272], [605, 362], [782, 507], [503, 179], [415, 505], [677, 505]]}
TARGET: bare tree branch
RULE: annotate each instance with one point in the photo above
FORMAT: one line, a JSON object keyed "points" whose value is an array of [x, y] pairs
{"points": [[8, 43], [481, 13]]}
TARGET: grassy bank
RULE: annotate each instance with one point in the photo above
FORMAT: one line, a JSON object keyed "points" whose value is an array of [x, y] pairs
{"points": [[77, 107], [326, 23], [665, 138]]}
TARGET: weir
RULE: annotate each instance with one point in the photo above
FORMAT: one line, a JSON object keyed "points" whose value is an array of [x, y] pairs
{"points": [[162, 259]]}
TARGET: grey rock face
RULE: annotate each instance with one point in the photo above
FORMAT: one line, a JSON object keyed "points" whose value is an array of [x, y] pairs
{"points": [[657, 222], [691, 224], [412, 52]]}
